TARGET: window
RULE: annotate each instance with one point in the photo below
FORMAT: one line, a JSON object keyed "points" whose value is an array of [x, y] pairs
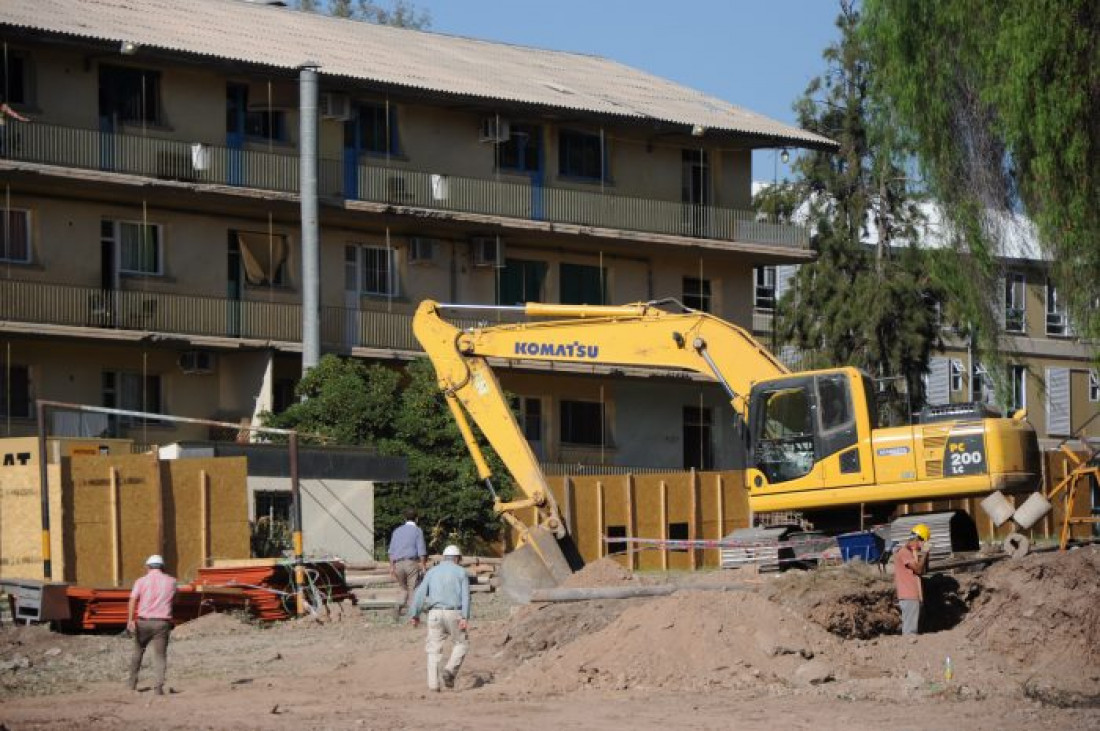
{"points": [[379, 273], [580, 155], [698, 433], [582, 423], [263, 257], [1015, 296], [282, 395], [138, 246], [981, 384], [374, 129], [250, 118], [836, 406], [783, 420], [16, 401], [15, 89], [764, 288], [1057, 320], [15, 239], [130, 391], [1017, 375], [520, 281], [583, 285], [956, 376], [522, 152], [128, 94], [528, 411], [696, 294], [1094, 386], [273, 505]]}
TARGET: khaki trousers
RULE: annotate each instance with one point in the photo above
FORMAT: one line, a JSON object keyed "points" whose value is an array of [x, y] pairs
{"points": [[408, 574], [156, 633], [443, 623]]}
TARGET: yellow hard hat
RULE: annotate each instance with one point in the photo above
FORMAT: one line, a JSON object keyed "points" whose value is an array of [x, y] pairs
{"points": [[921, 530]]}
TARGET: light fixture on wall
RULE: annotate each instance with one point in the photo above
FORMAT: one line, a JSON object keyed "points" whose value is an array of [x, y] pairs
{"points": [[784, 157], [698, 130], [128, 48]]}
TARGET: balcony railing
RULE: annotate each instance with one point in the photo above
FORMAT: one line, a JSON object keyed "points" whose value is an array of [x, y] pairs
{"points": [[168, 159], [341, 328]]}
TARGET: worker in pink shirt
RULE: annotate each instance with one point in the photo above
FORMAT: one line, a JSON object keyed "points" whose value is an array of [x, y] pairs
{"points": [[149, 620]]}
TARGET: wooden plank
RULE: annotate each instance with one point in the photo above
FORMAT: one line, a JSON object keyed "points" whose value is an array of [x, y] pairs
{"points": [[693, 524], [601, 519], [664, 523], [631, 523], [204, 518], [116, 530]]}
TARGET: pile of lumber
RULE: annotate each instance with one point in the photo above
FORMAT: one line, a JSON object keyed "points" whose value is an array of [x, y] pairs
{"points": [[105, 609], [374, 587]]}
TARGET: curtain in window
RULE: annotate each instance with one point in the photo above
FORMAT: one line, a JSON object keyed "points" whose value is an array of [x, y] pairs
{"points": [[263, 255], [140, 246], [15, 236]]}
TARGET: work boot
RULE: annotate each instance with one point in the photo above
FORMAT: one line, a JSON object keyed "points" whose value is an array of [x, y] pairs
{"points": [[448, 678], [159, 690]]}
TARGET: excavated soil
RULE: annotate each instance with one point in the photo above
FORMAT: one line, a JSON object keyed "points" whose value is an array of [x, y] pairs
{"points": [[812, 649]]}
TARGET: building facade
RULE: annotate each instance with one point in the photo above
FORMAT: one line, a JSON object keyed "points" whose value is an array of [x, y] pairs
{"points": [[152, 248]]}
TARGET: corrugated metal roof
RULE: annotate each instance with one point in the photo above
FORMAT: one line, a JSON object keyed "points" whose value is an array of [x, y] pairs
{"points": [[284, 38]]}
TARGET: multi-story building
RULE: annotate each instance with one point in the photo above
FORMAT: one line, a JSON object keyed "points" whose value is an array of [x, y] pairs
{"points": [[152, 260], [1051, 372]]}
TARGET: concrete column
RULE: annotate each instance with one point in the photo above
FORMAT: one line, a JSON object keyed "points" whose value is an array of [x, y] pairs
{"points": [[311, 254]]}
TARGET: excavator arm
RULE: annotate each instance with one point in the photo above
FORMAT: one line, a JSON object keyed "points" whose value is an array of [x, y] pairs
{"points": [[640, 334]]}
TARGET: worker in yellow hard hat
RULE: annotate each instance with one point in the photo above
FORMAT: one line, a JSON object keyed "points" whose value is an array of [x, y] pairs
{"points": [[910, 563]]}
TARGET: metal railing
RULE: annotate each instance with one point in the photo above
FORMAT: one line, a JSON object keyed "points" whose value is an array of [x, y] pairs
{"points": [[64, 305], [154, 156]]}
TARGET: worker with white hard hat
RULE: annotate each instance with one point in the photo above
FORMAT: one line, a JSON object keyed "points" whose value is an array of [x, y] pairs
{"points": [[910, 563], [445, 593], [149, 620]]}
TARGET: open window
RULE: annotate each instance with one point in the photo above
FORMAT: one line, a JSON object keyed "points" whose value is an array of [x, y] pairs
{"points": [[264, 258]]}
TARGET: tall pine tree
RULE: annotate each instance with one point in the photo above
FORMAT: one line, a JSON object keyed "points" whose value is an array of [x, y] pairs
{"points": [[866, 300]]}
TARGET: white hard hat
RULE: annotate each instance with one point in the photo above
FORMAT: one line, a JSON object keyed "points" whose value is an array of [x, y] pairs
{"points": [[452, 550], [155, 560]]}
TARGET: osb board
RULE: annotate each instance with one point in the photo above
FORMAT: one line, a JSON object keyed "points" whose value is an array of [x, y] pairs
{"points": [[100, 526], [227, 513], [24, 450], [21, 523]]}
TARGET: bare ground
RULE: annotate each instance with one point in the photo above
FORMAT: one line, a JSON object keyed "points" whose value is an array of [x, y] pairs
{"points": [[804, 650]]}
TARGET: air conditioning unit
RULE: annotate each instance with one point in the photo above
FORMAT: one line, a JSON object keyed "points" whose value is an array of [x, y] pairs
{"points": [[421, 250], [335, 106], [197, 362], [495, 130], [487, 252]]}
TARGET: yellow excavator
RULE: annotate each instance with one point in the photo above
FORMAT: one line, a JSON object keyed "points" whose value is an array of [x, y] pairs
{"points": [[812, 440]]}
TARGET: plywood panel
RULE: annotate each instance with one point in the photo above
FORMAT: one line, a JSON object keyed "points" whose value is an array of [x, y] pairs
{"points": [[21, 523], [227, 511]]}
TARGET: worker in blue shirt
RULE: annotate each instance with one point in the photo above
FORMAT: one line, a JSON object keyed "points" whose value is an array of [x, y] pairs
{"points": [[408, 559], [445, 593]]}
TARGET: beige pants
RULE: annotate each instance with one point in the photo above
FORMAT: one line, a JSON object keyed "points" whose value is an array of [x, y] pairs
{"points": [[153, 632], [443, 623], [408, 574]]}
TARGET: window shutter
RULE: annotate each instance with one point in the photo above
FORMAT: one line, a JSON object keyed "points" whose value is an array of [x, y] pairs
{"points": [[1058, 401], [939, 381]]}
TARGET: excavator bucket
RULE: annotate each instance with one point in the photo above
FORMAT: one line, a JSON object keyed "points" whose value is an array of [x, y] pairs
{"points": [[539, 563]]}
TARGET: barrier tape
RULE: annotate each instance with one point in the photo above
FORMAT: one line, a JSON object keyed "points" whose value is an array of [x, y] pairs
{"points": [[757, 556]]}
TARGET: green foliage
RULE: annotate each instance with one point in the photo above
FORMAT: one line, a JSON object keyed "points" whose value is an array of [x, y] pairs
{"points": [[400, 14], [404, 414], [1001, 102], [854, 305]]}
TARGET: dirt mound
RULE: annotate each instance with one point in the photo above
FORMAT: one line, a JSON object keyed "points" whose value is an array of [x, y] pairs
{"points": [[605, 572], [210, 625], [1044, 610], [538, 628], [687, 641], [854, 601]]}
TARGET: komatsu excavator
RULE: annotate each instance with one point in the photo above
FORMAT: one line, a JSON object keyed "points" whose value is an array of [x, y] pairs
{"points": [[811, 438]]}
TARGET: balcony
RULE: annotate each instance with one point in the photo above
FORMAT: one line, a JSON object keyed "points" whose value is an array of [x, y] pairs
{"points": [[167, 159], [57, 305]]}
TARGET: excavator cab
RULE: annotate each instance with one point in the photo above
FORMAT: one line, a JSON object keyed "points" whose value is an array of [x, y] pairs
{"points": [[800, 424]]}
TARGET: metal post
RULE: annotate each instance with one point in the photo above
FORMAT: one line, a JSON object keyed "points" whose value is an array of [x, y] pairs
{"points": [[311, 259], [296, 519], [43, 481]]}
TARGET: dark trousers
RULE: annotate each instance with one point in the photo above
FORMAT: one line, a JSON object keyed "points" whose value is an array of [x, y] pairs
{"points": [[153, 632]]}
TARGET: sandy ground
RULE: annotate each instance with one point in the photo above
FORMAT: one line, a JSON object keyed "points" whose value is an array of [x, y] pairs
{"points": [[791, 651]]}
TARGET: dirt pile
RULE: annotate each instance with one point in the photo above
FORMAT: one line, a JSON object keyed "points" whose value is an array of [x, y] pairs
{"points": [[211, 625], [853, 601], [1044, 611], [691, 640], [605, 572]]}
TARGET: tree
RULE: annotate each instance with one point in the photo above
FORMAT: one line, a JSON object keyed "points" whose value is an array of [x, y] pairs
{"points": [[1001, 102], [402, 13], [401, 413], [872, 307]]}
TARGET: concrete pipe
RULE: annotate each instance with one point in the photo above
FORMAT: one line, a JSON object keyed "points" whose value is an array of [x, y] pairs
{"points": [[997, 507], [1017, 545]]}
